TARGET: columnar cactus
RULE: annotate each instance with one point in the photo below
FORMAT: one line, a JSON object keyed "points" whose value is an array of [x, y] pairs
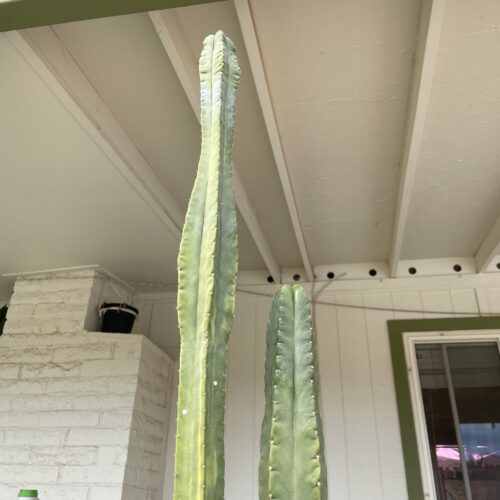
{"points": [[292, 464], [207, 277]]}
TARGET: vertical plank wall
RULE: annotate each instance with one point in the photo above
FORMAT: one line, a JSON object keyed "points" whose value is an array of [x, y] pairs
{"points": [[363, 448]]}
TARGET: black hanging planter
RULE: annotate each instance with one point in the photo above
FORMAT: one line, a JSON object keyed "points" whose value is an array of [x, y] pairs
{"points": [[117, 318]]}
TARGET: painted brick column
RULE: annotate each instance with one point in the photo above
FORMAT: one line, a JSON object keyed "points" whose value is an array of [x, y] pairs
{"points": [[61, 301], [83, 414]]}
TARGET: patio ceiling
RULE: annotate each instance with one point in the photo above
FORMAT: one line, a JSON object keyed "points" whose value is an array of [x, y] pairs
{"points": [[366, 138]]}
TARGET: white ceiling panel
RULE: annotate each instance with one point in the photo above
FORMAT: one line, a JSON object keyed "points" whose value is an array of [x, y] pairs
{"points": [[456, 196], [126, 63], [63, 202], [339, 75]]}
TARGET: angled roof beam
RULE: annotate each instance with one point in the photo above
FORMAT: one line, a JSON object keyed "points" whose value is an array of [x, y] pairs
{"points": [[175, 44], [48, 57], [431, 22], [252, 45], [20, 14], [489, 248]]}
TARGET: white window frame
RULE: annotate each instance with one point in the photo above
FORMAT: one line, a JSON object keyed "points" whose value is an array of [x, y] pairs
{"points": [[410, 341]]}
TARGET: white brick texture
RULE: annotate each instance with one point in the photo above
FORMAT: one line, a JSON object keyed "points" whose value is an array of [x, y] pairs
{"points": [[83, 415], [147, 447]]}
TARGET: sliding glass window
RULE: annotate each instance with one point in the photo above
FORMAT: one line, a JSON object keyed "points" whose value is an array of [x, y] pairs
{"points": [[460, 386]]}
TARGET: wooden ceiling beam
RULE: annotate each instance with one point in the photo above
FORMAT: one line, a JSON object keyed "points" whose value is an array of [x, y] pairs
{"points": [[488, 249], [431, 22], [46, 54], [21, 14], [184, 63], [253, 51]]}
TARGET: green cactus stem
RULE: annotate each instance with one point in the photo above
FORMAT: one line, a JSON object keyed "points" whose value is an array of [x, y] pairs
{"points": [[207, 278], [292, 464]]}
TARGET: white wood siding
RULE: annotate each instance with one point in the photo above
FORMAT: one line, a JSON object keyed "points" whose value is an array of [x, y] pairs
{"points": [[363, 446]]}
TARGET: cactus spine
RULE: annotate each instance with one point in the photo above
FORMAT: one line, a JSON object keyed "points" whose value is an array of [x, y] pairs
{"points": [[292, 464], [207, 277]]}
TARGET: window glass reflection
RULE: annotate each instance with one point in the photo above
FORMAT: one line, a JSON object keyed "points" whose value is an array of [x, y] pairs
{"points": [[461, 397]]}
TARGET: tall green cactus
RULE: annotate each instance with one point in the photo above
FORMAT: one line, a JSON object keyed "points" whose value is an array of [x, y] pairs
{"points": [[207, 278], [292, 463]]}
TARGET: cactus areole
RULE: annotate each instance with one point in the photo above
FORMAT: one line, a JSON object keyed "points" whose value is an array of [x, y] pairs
{"points": [[207, 278], [292, 463]]}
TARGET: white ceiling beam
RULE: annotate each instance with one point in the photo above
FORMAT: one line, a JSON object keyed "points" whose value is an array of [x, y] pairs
{"points": [[253, 51], [431, 22], [184, 63], [488, 249], [413, 271], [46, 54]]}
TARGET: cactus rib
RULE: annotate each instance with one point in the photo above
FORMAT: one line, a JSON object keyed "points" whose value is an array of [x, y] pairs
{"points": [[292, 465], [207, 276]]}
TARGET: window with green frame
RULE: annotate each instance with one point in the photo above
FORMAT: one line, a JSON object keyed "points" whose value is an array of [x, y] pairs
{"points": [[463, 328]]}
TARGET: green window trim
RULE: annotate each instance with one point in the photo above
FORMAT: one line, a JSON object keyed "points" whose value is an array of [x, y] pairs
{"points": [[406, 422], [20, 14]]}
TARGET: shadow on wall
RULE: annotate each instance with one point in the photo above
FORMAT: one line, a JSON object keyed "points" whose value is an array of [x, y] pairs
{"points": [[3, 315]]}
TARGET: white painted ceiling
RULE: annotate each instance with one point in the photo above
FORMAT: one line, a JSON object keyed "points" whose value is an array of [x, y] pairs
{"points": [[62, 200], [339, 76], [456, 195]]}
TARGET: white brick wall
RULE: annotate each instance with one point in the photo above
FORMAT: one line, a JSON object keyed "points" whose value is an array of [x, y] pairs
{"points": [[144, 472], [83, 415], [64, 301]]}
